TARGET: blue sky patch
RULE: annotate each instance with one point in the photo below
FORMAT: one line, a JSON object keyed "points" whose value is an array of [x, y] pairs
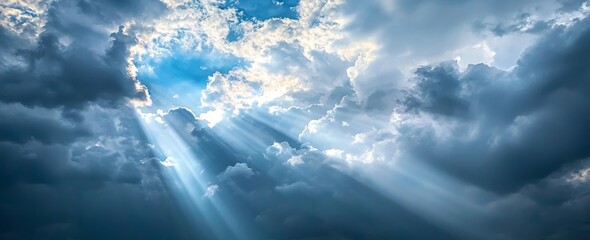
{"points": [[265, 9], [176, 80], [183, 67]]}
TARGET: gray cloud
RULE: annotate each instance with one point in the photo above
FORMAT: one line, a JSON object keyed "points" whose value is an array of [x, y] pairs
{"points": [[238, 170], [528, 122], [56, 75], [71, 149], [77, 164]]}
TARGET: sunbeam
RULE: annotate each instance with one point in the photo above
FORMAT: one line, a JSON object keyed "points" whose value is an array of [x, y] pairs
{"points": [[294, 119], [195, 189]]}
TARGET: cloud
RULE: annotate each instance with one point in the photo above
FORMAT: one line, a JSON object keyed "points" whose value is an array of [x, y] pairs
{"points": [[211, 190], [69, 140], [237, 171], [81, 55], [274, 51], [70, 176], [544, 209], [279, 192], [438, 89], [57, 76], [343, 120], [542, 99], [21, 125], [281, 151], [24, 17]]}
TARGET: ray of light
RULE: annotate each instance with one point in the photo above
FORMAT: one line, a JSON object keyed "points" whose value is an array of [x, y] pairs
{"points": [[194, 191], [422, 190], [425, 191]]}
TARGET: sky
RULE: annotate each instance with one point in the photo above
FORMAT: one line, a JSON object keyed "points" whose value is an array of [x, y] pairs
{"points": [[294, 119]]}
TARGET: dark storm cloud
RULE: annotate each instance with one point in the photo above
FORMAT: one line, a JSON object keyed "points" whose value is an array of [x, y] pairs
{"points": [[553, 208], [331, 205], [9, 44], [528, 122], [104, 184], [59, 76], [438, 90], [109, 212], [21, 125], [76, 59], [45, 87], [74, 164]]}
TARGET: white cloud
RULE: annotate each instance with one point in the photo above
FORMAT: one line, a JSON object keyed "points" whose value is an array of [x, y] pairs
{"points": [[239, 169], [335, 153], [24, 17], [211, 190], [295, 160], [168, 162], [478, 53], [213, 117], [284, 56], [280, 151]]}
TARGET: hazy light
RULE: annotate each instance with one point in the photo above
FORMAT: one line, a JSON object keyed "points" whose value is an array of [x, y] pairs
{"points": [[195, 190]]}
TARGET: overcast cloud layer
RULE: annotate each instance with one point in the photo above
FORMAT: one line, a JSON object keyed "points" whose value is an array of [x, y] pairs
{"points": [[310, 119]]}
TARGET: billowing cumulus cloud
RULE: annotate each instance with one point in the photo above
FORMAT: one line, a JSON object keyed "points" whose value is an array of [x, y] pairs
{"points": [[310, 119]]}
